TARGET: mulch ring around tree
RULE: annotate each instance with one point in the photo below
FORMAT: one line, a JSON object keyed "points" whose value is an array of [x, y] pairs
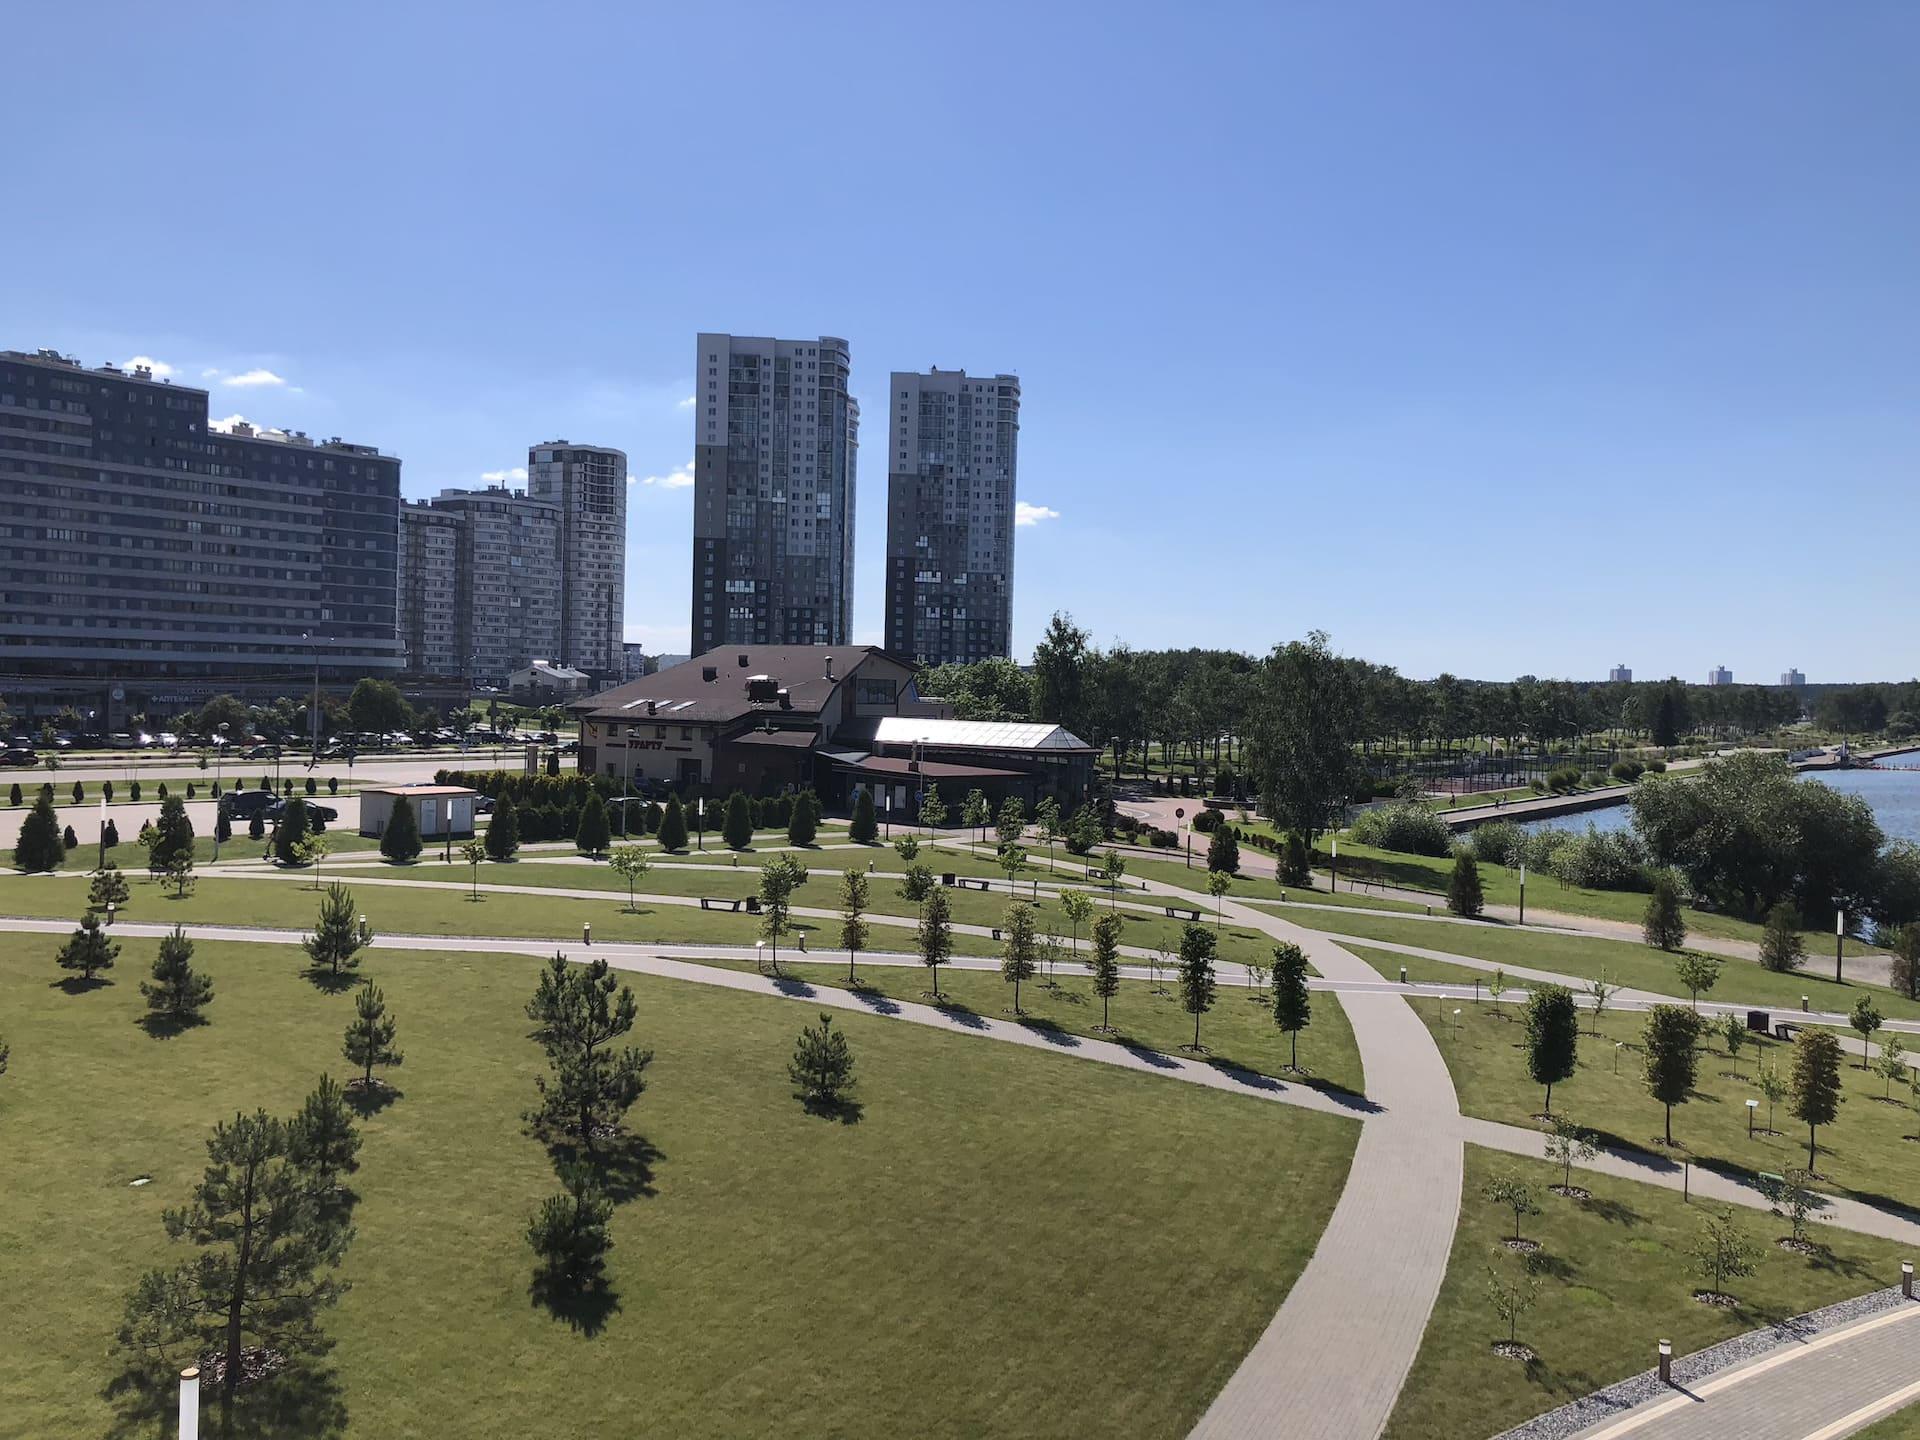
{"points": [[1514, 1350], [1797, 1246], [1718, 1299], [1522, 1247], [360, 1083], [1571, 1192], [257, 1363]]}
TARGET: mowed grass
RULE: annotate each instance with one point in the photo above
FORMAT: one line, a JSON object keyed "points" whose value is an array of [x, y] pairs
{"points": [[945, 1266], [1616, 1275], [1624, 962], [1238, 1032], [1870, 1152], [1546, 895]]}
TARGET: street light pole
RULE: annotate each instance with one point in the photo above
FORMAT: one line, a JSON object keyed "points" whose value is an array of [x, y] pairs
{"points": [[1839, 942], [1523, 892]]}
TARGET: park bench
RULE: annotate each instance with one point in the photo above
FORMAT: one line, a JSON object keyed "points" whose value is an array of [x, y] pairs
{"points": [[753, 904], [1174, 912], [1785, 1030], [714, 902], [1095, 873], [963, 882], [996, 932]]}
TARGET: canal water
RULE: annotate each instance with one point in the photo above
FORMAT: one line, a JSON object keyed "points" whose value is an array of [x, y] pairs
{"points": [[1893, 793]]}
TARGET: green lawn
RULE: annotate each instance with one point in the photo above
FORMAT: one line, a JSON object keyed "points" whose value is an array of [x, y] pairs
{"points": [[1546, 894], [1616, 1274], [1903, 1424], [1238, 1032], [1626, 963], [291, 903], [1420, 970], [1869, 1152], [944, 1267]]}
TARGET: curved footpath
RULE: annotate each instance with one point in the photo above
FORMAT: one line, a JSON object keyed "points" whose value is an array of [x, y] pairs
{"points": [[1331, 1362]]}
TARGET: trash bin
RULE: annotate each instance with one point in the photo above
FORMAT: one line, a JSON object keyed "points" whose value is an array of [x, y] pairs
{"points": [[1759, 1021]]}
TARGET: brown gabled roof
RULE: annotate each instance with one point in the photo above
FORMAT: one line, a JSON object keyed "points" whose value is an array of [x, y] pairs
{"points": [[683, 695]]}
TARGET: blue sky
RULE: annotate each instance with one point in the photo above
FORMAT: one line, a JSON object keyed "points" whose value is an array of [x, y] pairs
{"points": [[1497, 338]]}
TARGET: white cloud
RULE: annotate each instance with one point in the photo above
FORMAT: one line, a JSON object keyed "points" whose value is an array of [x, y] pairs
{"points": [[209, 373], [1025, 514], [518, 474], [225, 427], [160, 368], [253, 379], [678, 479], [686, 404]]}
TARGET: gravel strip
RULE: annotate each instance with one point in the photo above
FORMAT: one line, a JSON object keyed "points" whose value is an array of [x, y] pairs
{"points": [[1688, 1370]]}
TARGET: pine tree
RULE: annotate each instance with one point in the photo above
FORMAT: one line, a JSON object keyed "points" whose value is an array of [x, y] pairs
{"points": [[1464, 896], [804, 823], [853, 910], [88, 950], [1815, 1086], [325, 1143], [673, 827], [370, 1036], [571, 1234], [1011, 823], [822, 1066], [267, 1252], [1553, 1036], [291, 830], [1296, 865], [1018, 946], [1292, 1000], [1106, 963], [338, 938], [39, 846], [864, 829], [1664, 927], [173, 834], [178, 990], [1223, 851], [1197, 946], [935, 934], [1781, 948], [737, 828], [108, 887], [592, 836], [579, 1011], [400, 841], [1670, 1063], [503, 831]]}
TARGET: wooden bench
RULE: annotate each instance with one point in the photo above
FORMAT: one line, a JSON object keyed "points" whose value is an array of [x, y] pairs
{"points": [[963, 882], [712, 902], [1094, 873], [1174, 912]]}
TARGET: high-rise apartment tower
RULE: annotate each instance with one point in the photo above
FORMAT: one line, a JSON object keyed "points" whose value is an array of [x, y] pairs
{"points": [[775, 436], [588, 483], [952, 464]]}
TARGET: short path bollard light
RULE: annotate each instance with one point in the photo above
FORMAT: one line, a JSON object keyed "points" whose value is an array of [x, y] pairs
{"points": [[1752, 1105], [1803, 1003], [1403, 974], [1666, 1362], [1456, 1022], [1686, 1181], [586, 933], [110, 912], [1618, 1046], [190, 1403], [1906, 1278]]}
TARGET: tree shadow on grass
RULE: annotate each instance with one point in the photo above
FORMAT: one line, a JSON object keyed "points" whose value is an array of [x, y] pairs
{"points": [[368, 1103], [846, 1111], [79, 985], [583, 1306], [1614, 1212], [166, 1027], [305, 1401], [622, 1167], [329, 983]]}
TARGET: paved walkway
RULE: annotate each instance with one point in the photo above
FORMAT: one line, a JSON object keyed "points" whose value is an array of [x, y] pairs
{"points": [[1832, 1385], [1331, 1362]]}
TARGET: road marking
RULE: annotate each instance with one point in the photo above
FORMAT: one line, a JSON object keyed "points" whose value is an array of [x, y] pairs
{"points": [[1632, 1422], [1847, 1424]]}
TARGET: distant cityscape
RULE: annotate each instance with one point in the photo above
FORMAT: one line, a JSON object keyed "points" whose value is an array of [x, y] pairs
{"points": [[155, 558]]}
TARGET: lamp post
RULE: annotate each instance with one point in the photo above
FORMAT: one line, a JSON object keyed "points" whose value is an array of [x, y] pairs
{"points": [[101, 863], [1752, 1105], [1456, 1022], [219, 763], [1839, 942], [700, 822], [1333, 877], [190, 1403], [1618, 1046], [1523, 892]]}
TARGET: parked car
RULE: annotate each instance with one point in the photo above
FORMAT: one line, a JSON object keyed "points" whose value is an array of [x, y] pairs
{"points": [[483, 805], [245, 804], [18, 759], [123, 741], [325, 812]]}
